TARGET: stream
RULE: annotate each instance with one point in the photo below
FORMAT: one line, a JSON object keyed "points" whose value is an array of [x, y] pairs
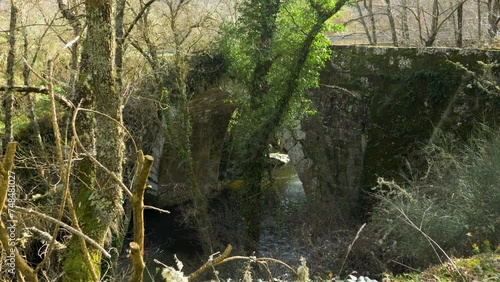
{"points": [[283, 212]]}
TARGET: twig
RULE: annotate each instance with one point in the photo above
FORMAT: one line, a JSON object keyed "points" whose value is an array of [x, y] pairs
{"points": [[433, 243], [224, 258], [45, 236], [92, 158], [210, 263], [156, 209], [350, 247]]}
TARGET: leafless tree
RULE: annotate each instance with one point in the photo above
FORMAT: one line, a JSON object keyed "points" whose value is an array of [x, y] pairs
{"points": [[493, 17], [370, 29], [392, 24], [8, 100]]}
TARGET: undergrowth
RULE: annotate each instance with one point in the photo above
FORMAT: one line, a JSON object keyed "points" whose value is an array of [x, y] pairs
{"points": [[451, 209]]}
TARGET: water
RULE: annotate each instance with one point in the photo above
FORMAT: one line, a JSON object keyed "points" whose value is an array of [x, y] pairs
{"points": [[282, 222], [283, 213]]}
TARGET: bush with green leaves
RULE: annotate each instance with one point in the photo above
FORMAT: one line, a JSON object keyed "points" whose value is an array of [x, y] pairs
{"points": [[451, 209]]}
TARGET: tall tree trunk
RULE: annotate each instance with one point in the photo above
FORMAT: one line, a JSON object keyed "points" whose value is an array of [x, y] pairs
{"points": [[493, 17], [460, 23], [120, 40], [98, 202], [479, 20], [253, 155], [8, 100], [394, 34], [434, 24], [404, 22], [363, 23], [254, 148], [369, 7], [31, 98], [73, 20]]}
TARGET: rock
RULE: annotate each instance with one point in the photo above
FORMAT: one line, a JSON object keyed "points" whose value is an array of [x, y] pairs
{"points": [[278, 159]]}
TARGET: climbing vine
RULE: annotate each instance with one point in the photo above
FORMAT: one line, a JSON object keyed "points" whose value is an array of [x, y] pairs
{"points": [[276, 51]]}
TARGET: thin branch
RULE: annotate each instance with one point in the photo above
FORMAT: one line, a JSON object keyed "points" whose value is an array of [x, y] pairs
{"points": [[136, 19], [210, 263], [74, 219], [224, 258], [146, 207], [66, 226], [45, 236], [336, 87], [91, 157]]}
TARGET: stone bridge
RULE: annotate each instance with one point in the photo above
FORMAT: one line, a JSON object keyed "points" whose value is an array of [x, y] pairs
{"points": [[375, 108]]}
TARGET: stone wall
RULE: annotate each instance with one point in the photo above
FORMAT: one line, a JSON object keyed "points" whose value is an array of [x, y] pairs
{"points": [[375, 108], [210, 114]]}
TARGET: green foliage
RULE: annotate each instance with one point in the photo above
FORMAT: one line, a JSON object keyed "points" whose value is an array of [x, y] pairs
{"points": [[483, 267], [275, 51], [263, 49], [452, 210]]}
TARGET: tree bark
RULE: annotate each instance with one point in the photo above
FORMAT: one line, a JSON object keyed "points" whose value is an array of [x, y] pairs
{"points": [[120, 41], [404, 22], [8, 100], [394, 34], [77, 28], [363, 23], [493, 17], [98, 197], [369, 7], [460, 23], [434, 24]]}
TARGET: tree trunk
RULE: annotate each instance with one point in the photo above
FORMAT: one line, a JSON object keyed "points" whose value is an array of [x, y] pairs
{"points": [[404, 22], [77, 27], [98, 198], [120, 40], [394, 34], [479, 21], [434, 24], [253, 151], [8, 101], [254, 147], [31, 98], [363, 23], [493, 17], [369, 8], [460, 23]]}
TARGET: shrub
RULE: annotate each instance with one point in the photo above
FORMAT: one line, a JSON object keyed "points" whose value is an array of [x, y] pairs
{"points": [[454, 206]]}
